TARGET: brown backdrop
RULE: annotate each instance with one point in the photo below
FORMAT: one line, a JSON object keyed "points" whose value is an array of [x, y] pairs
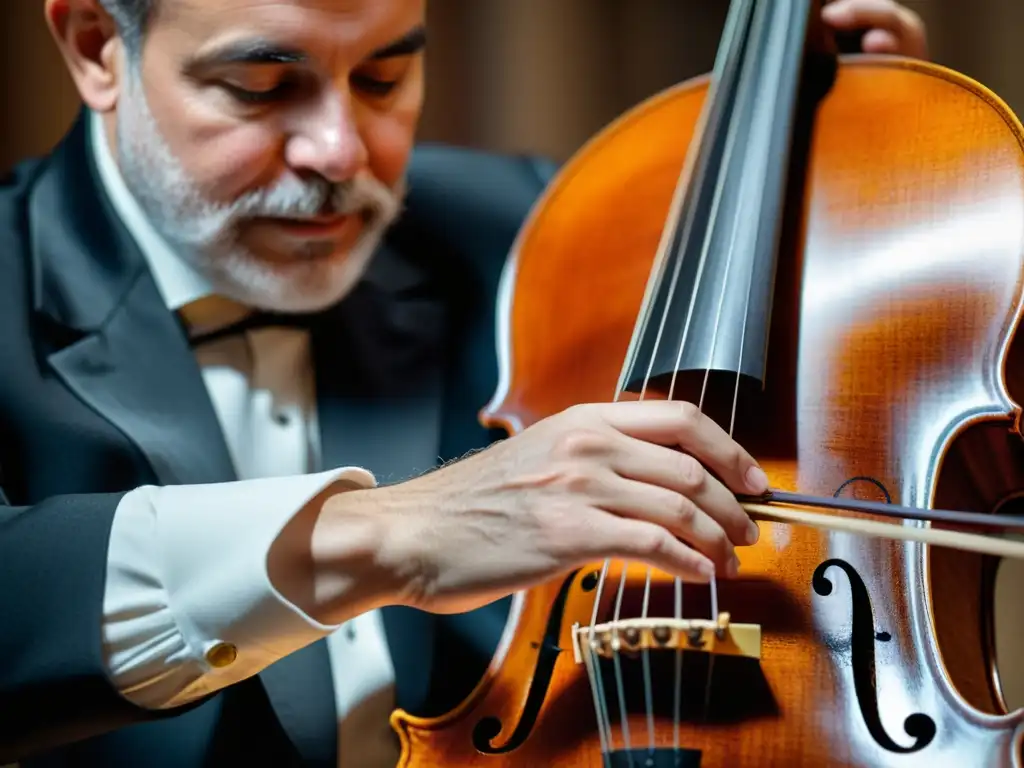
{"points": [[532, 75]]}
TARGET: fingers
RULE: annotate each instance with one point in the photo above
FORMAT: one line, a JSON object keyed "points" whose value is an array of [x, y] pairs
{"points": [[692, 494], [681, 517], [682, 425], [635, 473], [865, 14], [881, 41], [892, 27], [619, 537]]}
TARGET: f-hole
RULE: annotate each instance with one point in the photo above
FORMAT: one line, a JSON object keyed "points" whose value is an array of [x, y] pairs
{"points": [[917, 726]]}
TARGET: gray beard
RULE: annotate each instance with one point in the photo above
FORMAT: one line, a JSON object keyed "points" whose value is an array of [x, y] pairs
{"points": [[205, 233]]}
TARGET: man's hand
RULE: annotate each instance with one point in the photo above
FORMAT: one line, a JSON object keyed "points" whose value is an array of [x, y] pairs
{"points": [[592, 482], [891, 27]]}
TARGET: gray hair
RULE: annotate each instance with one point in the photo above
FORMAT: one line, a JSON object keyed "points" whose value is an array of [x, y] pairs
{"points": [[131, 17]]}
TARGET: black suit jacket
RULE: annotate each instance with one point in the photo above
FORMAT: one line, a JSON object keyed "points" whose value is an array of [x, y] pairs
{"points": [[100, 393]]}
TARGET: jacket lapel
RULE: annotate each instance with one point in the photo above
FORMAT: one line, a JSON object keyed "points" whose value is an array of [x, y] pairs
{"points": [[120, 350], [111, 339]]}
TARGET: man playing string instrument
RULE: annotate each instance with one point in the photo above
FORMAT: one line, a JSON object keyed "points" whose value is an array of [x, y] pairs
{"points": [[241, 318]]}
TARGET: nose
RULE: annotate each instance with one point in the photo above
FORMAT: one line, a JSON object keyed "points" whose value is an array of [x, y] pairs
{"points": [[326, 140]]}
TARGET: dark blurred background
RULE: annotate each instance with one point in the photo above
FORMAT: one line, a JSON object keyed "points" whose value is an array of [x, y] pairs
{"points": [[532, 75]]}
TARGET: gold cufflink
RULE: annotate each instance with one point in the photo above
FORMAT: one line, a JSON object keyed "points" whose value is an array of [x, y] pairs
{"points": [[221, 655]]}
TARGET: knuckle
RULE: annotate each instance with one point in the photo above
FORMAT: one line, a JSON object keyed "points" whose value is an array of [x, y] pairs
{"points": [[575, 412], [653, 543], [689, 415], [580, 413], [692, 474], [577, 481], [686, 511], [580, 443], [720, 542]]}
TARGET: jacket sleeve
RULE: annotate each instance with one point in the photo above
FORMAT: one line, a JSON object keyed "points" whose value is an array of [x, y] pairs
{"points": [[119, 608], [53, 685]]}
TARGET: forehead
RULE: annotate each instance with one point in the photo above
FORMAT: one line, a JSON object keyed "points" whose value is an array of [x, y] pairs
{"points": [[351, 29]]}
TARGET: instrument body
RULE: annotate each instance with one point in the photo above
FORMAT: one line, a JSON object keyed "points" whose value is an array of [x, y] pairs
{"points": [[897, 296]]}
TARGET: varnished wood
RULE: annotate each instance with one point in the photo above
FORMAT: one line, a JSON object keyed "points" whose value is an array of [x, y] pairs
{"points": [[898, 294]]}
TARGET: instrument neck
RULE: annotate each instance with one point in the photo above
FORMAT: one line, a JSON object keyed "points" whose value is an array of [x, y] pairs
{"points": [[709, 301]]}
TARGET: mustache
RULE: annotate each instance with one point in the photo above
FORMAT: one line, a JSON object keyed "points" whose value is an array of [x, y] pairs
{"points": [[293, 197]]}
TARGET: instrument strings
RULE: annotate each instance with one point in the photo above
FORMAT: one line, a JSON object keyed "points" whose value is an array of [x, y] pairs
{"points": [[601, 707], [590, 657]]}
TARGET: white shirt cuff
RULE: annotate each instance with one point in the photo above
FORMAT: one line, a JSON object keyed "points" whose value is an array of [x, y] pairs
{"points": [[189, 607]]}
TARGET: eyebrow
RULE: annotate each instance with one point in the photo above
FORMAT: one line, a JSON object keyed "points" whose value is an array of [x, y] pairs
{"points": [[411, 42], [252, 51], [263, 51]]}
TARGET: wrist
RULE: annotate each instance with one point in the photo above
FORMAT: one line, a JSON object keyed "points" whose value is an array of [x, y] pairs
{"points": [[327, 559]]}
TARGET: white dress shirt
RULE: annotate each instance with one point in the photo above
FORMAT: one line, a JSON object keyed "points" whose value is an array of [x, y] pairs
{"points": [[189, 607]]}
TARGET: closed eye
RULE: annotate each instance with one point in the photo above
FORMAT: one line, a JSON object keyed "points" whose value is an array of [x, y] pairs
{"points": [[265, 96], [374, 86]]}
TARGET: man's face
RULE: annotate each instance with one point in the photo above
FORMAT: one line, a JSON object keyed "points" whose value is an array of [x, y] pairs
{"points": [[268, 141]]}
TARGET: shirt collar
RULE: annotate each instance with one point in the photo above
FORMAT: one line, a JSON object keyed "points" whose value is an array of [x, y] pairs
{"points": [[179, 284]]}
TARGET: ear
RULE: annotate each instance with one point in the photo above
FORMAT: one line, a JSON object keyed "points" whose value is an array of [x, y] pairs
{"points": [[94, 53]]}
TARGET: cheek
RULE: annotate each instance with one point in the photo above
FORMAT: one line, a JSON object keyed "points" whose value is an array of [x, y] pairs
{"points": [[389, 135], [389, 141], [231, 160], [222, 156]]}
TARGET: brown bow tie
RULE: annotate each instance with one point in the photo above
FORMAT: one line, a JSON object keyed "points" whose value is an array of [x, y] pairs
{"points": [[212, 318]]}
